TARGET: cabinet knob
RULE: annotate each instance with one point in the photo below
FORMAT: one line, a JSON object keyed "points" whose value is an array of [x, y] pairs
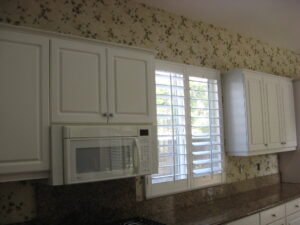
{"points": [[296, 206], [273, 215], [111, 115], [104, 114], [266, 144]]}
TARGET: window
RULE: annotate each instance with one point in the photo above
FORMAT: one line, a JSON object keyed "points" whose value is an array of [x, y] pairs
{"points": [[189, 129]]}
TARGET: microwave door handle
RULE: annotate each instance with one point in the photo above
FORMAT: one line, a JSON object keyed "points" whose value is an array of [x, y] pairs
{"points": [[137, 154]]}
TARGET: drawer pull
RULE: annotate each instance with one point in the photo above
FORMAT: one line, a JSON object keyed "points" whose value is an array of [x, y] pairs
{"points": [[273, 215]]}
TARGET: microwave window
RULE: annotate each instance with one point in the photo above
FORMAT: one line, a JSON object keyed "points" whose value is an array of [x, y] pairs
{"points": [[104, 159]]}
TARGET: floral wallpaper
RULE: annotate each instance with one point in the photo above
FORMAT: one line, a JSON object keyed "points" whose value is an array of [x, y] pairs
{"points": [[176, 38]]}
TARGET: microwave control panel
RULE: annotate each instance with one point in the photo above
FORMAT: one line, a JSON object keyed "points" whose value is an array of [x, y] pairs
{"points": [[145, 144]]}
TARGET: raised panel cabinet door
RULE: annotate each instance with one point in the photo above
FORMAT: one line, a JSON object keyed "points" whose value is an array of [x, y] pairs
{"points": [[130, 86], [78, 82], [273, 115], [24, 103], [255, 112], [289, 138], [249, 220]]}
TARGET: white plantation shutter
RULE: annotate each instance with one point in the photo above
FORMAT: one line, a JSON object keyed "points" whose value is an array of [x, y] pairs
{"points": [[205, 121], [188, 128], [171, 131]]}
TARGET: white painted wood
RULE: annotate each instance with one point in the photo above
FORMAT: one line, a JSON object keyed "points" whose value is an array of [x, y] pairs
{"points": [[271, 215], [293, 206], [273, 115], [279, 222], [293, 219], [20, 176], [130, 86], [24, 103], [78, 82], [235, 115], [57, 158], [259, 113], [289, 137], [255, 112], [249, 220]]}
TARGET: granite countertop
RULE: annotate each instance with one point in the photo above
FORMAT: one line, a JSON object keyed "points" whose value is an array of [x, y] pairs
{"points": [[231, 208], [222, 210]]}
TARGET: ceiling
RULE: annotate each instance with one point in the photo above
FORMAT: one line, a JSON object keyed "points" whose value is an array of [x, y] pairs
{"points": [[273, 21]]}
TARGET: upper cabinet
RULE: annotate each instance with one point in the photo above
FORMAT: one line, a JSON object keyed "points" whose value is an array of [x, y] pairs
{"points": [[289, 137], [130, 86], [24, 105], [259, 113], [49, 78], [93, 83], [78, 82]]}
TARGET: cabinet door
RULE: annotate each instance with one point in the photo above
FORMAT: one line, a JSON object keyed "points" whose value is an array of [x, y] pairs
{"points": [[249, 220], [255, 112], [130, 86], [273, 115], [293, 219], [289, 138], [78, 82], [24, 101]]}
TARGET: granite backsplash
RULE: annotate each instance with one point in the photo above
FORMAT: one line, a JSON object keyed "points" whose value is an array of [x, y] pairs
{"points": [[176, 38], [104, 202]]}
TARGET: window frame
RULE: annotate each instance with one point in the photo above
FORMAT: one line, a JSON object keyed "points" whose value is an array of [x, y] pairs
{"points": [[191, 183]]}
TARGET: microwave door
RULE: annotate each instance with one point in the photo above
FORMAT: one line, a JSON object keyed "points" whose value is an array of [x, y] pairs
{"points": [[100, 159]]}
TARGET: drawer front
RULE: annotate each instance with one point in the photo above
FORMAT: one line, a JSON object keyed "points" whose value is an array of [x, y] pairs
{"points": [[293, 219], [293, 206], [249, 220], [278, 222], [271, 215]]}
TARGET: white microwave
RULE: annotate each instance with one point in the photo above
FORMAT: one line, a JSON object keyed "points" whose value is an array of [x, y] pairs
{"points": [[94, 153]]}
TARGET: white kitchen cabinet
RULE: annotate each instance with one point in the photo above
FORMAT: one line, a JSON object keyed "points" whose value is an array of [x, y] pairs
{"points": [[78, 81], [293, 219], [293, 206], [289, 137], [285, 214], [257, 117], [130, 86], [272, 111], [249, 220], [258, 113], [24, 105], [86, 81], [272, 215], [293, 212], [279, 222], [94, 83]]}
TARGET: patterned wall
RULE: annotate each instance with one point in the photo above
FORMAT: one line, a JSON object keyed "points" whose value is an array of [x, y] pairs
{"points": [[176, 38]]}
